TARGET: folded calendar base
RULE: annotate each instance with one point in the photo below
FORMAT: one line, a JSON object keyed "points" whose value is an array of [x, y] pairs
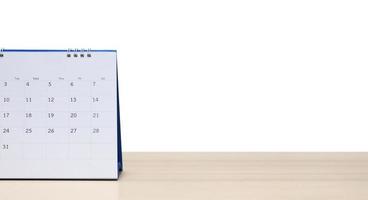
{"points": [[59, 115]]}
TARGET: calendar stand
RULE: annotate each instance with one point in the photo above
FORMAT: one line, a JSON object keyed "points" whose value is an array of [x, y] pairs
{"points": [[59, 114]]}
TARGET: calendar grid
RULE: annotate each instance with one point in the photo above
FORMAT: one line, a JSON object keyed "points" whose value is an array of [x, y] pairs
{"points": [[28, 112]]}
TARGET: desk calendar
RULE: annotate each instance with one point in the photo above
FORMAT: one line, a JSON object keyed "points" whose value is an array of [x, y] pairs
{"points": [[59, 114]]}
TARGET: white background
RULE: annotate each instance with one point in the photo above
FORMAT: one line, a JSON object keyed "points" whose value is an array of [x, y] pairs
{"points": [[219, 75]]}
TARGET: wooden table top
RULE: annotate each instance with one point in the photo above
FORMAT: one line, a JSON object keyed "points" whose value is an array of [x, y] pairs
{"points": [[258, 176]]}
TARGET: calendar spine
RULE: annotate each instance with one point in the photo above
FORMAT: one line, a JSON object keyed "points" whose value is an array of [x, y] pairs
{"points": [[79, 53]]}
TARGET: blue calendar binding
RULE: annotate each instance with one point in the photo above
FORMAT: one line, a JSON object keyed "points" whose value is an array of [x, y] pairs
{"points": [[3, 53], [120, 151]]}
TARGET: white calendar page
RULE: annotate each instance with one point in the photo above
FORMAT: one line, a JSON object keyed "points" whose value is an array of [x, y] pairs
{"points": [[58, 115]]}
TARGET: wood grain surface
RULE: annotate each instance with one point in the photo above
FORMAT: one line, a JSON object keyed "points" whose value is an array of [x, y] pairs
{"points": [[213, 176]]}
